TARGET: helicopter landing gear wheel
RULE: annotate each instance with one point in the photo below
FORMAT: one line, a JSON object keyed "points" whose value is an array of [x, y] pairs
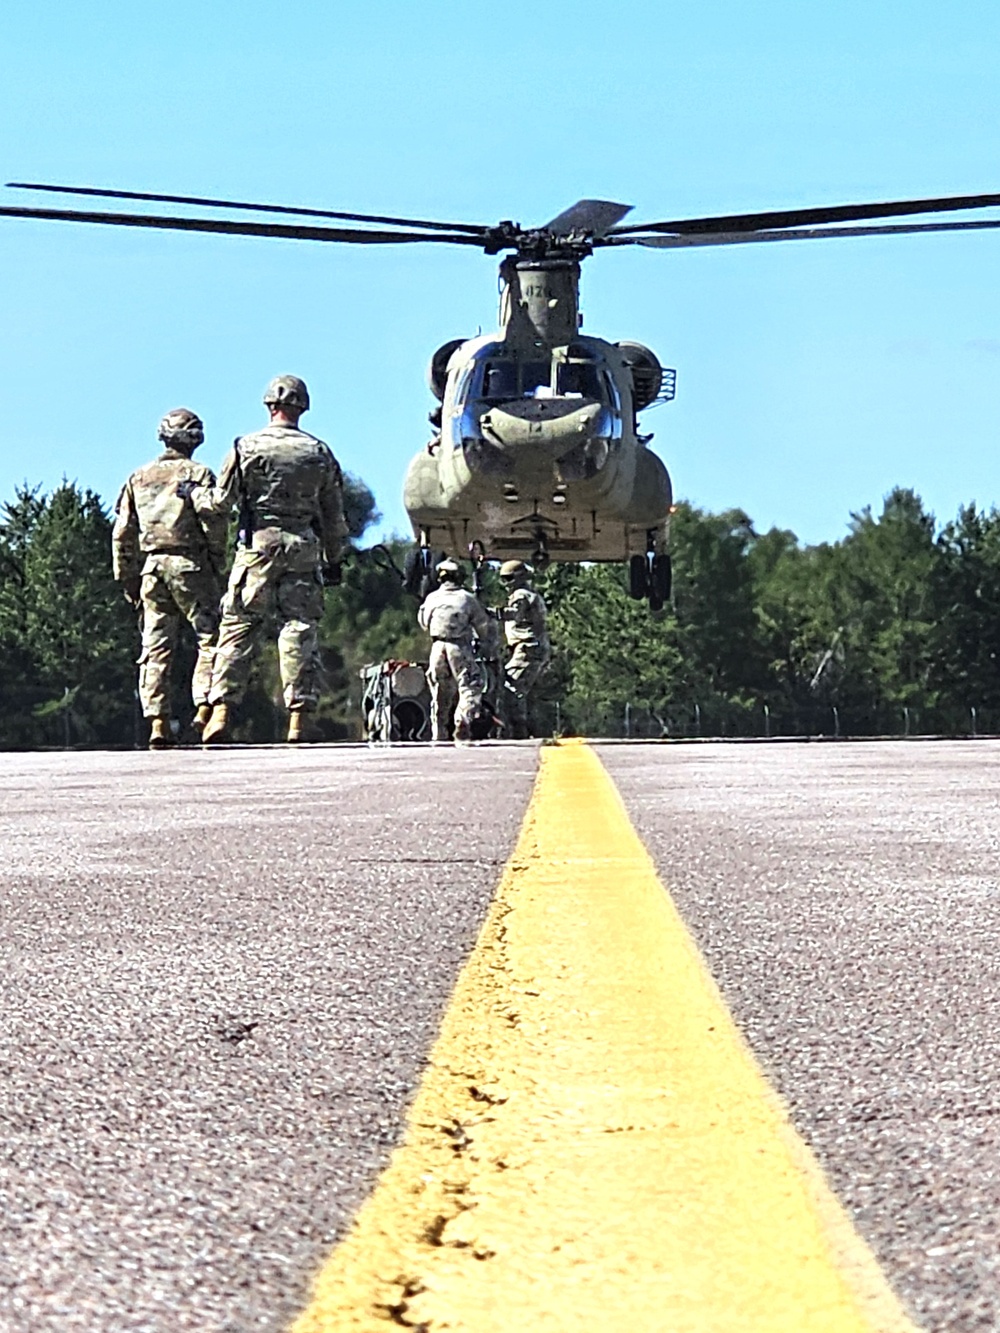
{"points": [[657, 571], [638, 577], [540, 557], [661, 577], [477, 554], [418, 572]]}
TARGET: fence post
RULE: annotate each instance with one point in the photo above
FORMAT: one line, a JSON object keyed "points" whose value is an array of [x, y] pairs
{"points": [[972, 714], [767, 722], [628, 721], [836, 723], [558, 720], [697, 719], [906, 720]]}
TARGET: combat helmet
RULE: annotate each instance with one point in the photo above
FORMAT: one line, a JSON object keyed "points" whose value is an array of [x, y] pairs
{"points": [[182, 429], [449, 571], [287, 391], [514, 571]]}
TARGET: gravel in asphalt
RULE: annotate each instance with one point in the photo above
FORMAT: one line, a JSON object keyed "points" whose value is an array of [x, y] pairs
{"points": [[220, 975], [847, 900]]}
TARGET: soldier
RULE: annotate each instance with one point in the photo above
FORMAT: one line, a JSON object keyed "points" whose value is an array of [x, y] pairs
{"points": [[288, 489], [169, 558], [524, 628], [451, 615]]}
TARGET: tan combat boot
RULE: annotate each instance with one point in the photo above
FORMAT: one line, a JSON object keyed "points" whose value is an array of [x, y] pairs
{"points": [[297, 728], [200, 720], [160, 735], [215, 728]]}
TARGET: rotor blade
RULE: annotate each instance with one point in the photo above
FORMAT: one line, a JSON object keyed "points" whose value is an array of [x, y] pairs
{"points": [[802, 234], [801, 217], [279, 229], [593, 217], [256, 208]]}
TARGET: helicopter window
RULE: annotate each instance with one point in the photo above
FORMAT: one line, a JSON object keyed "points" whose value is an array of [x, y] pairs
{"points": [[462, 387], [500, 380], [581, 379], [535, 375]]}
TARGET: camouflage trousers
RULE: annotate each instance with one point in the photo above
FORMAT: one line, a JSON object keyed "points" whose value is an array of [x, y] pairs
{"points": [[172, 587], [455, 681], [520, 675], [277, 581]]}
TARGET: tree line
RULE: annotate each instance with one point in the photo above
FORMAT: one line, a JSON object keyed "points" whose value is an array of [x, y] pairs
{"points": [[893, 629]]}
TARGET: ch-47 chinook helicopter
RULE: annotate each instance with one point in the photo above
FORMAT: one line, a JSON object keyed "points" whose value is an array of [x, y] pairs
{"points": [[539, 450]]}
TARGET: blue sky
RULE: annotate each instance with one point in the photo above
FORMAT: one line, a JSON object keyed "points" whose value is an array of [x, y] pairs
{"points": [[812, 376]]}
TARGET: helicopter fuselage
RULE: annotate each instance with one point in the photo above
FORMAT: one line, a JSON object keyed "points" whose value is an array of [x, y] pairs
{"points": [[539, 453]]}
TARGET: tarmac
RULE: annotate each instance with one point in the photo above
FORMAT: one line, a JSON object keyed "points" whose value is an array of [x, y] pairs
{"points": [[222, 974]]}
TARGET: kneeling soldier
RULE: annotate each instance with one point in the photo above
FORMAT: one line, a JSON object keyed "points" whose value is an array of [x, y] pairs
{"points": [[169, 560], [528, 639], [451, 616]]}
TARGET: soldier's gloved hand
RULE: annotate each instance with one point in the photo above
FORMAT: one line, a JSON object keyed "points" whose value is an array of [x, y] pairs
{"points": [[185, 489], [333, 574], [131, 591]]}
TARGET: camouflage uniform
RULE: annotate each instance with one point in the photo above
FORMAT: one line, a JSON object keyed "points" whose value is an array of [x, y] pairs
{"points": [[288, 488], [450, 615], [527, 637], [170, 558]]}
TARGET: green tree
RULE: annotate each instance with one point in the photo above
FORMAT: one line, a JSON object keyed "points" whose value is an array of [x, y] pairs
{"points": [[67, 637], [966, 671], [698, 659], [884, 595]]}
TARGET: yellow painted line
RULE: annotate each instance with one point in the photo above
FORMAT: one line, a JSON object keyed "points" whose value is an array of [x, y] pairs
{"points": [[593, 1145]]}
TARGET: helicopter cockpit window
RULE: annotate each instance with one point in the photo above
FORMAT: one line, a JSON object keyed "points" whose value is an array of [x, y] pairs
{"points": [[462, 387], [500, 380], [535, 375], [580, 379]]}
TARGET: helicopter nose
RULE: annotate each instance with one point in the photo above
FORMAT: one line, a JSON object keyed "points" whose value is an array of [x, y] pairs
{"points": [[547, 426]]}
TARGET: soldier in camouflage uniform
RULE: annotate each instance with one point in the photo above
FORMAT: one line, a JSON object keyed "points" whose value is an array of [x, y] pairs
{"points": [[451, 616], [288, 489], [170, 560], [527, 637]]}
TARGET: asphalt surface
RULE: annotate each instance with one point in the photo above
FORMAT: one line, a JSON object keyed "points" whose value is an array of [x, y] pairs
{"points": [[220, 974], [847, 899]]}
